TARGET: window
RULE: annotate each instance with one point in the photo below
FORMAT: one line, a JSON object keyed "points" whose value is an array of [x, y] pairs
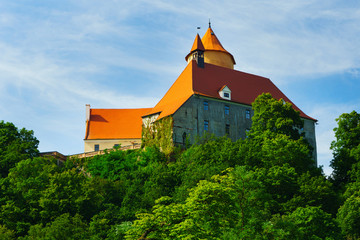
{"points": [[206, 125], [227, 129], [96, 147], [227, 110], [247, 114], [225, 93], [116, 145], [206, 105], [184, 138], [247, 132]]}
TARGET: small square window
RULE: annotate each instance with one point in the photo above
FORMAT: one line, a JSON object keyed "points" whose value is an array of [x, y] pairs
{"points": [[227, 110], [227, 129], [247, 114], [206, 105], [206, 125], [96, 147], [226, 95]]}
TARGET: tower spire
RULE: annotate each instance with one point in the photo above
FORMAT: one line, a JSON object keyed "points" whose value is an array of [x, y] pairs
{"points": [[197, 52]]}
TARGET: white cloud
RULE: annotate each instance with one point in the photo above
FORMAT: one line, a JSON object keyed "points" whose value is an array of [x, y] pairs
{"points": [[56, 58]]}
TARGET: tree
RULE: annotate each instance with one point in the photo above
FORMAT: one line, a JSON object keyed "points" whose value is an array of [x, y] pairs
{"points": [[273, 116], [15, 145], [230, 205], [349, 216], [62, 228], [21, 191], [275, 137], [308, 223], [346, 147]]}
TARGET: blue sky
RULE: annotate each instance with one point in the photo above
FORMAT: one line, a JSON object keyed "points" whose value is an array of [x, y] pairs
{"points": [[57, 56]]}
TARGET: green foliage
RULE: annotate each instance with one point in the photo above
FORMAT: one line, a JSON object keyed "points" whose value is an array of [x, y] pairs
{"points": [[262, 187], [346, 147], [6, 234], [304, 223], [273, 116], [275, 138], [212, 210], [313, 223], [349, 213], [280, 182], [159, 134], [21, 191], [63, 227], [202, 161], [143, 173], [15, 145]]}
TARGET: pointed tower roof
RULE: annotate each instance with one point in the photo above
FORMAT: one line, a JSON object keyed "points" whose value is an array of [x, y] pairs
{"points": [[197, 45], [212, 43]]}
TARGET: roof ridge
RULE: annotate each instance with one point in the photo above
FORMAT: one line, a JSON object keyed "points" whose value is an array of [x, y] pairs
{"points": [[181, 90]]}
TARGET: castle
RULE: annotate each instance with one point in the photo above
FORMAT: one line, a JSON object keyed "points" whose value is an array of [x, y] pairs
{"points": [[208, 96]]}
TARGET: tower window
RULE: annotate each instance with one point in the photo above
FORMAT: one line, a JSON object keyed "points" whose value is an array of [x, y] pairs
{"points": [[247, 114], [96, 147], [227, 129], [206, 125], [227, 110], [206, 105]]}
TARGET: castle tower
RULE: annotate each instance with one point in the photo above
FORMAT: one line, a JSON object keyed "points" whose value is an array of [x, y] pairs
{"points": [[197, 52], [214, 52]]}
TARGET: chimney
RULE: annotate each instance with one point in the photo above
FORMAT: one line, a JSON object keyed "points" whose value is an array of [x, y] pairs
{"points": [[87, 112]]}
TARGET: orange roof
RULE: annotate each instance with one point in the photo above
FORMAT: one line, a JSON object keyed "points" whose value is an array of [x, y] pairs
{"points": [[197, 45], [212, 43], [178, 93], [207, 81], [115, 123]]}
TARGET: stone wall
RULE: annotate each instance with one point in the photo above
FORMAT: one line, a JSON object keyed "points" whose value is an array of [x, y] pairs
{"points": [[190, 119]]}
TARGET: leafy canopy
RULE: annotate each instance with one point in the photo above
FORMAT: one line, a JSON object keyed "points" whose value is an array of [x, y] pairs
{"points": [[15, 145], [346, 147]]}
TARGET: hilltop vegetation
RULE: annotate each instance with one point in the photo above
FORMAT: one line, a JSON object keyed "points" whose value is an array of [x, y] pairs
{"points": [[263, 187]]}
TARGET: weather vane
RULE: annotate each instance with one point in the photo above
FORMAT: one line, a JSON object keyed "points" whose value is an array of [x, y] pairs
{"points": [[209, 23]]}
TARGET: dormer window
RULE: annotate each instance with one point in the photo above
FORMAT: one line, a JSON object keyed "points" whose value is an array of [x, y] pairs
{"points": [[225, 93]]}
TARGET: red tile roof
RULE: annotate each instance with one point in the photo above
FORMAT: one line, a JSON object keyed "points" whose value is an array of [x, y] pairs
{"points": [[115, 123], [209, 80]]}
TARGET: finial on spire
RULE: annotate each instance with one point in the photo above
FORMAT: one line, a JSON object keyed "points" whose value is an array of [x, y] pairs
{"points": [[209, 23]]}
